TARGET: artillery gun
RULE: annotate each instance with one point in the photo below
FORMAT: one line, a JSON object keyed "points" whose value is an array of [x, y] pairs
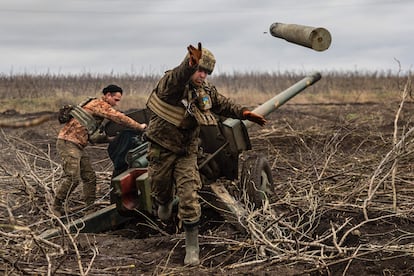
{"points": [[220, 149]]}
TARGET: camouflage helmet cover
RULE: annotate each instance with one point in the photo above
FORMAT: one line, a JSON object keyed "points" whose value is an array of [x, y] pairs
{"points": [[207, 61]]}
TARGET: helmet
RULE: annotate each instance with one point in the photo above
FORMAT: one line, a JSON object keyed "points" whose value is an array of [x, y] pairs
{"points": [[207, 61]]}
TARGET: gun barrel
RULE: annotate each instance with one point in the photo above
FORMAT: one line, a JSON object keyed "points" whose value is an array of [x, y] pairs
{"points": [[318, 39], [284, 96]]}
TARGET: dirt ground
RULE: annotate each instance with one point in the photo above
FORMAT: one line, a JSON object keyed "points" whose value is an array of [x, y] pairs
{"points": [[342, 204]]}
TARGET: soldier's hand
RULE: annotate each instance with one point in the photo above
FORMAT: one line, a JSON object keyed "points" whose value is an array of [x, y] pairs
{"points": [[143, 127], [195, 54], [256, 118]]}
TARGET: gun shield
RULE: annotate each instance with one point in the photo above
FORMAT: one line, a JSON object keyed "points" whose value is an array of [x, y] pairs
{"points": [[318, 39]]}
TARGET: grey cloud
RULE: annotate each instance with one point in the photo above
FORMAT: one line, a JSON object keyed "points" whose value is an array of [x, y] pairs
{"points": [[100, 36]]}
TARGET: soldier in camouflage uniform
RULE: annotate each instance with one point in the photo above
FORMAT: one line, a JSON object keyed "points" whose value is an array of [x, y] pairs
{"points": [[74, 137], [181, 102]]}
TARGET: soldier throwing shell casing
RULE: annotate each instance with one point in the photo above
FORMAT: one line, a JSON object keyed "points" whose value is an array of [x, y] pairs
{"points": [[182, 101]]}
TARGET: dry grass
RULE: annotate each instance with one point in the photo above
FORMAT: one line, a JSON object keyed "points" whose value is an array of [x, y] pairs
{"points": [[343, 190], [29, 93]]}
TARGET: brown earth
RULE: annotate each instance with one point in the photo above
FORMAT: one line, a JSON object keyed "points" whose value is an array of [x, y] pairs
{"points": [[326, 161]]}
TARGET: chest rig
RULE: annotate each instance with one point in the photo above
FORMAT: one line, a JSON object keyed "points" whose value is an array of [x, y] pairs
{"points": [[197, 107]]}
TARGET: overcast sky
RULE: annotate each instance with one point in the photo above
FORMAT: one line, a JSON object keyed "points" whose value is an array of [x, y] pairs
{"points": [[150, 36]]}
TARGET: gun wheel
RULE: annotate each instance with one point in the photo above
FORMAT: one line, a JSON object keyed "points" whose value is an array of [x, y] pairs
{"points": [[256, 179]]}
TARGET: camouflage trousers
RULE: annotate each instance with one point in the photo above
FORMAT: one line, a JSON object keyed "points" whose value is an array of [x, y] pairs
{"points": [[76, 167], [173, 174]]}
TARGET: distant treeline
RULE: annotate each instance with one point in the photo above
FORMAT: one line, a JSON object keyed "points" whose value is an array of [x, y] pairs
{"points": [[241, 86]]}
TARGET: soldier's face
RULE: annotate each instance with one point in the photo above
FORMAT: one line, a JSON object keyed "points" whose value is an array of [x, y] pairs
{"points": [[199, 77], [113, 99]]}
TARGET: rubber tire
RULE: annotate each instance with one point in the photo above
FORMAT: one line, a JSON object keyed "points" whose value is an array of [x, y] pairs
{"points": [[256, 169]]}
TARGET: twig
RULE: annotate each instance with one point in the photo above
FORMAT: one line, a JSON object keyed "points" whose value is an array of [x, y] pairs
{"points": [[350, 260], [397, 116]]}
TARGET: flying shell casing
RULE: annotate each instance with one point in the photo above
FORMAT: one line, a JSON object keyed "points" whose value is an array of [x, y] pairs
{"points": [[318, 39]]}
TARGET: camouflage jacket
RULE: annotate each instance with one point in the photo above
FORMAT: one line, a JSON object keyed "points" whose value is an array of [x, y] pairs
{"points": [[75, 132], [172, 89]]}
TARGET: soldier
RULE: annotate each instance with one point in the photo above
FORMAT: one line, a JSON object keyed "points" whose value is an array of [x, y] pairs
{"points": [[74, 137], [181, 102]]}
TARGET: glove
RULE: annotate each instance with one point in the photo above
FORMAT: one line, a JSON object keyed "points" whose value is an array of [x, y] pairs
{"points": [[195, 54], [256, 118]]}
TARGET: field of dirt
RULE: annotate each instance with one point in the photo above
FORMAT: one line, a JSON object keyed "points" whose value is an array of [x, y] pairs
{"points": [[342, 204]]}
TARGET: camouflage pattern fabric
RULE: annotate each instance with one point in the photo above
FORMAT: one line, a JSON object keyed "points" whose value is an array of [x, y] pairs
{"points": [[75, 132], [76, 167], [207, 61], [164, 166], [173, 88], [72, 140], [173, 152]]}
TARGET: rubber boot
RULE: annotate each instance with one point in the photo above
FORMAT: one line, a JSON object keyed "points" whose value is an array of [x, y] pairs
{"points": [[164, 211], [58, 207], [192, 249]]}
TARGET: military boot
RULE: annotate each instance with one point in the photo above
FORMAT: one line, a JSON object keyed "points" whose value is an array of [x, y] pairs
{"points": [[191, 244], [164, 211], [89, 193], [58, 207]]}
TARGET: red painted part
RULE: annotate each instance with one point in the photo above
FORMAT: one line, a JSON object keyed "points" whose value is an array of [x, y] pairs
{"points": [[129, 192]]}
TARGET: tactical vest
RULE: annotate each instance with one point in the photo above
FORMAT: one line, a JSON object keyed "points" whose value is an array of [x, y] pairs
{"points": [[94, 126], [84, 117], [197, 103]]}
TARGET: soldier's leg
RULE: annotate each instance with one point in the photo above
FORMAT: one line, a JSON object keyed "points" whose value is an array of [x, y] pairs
{"points": [[189, 211], [188, 184], [88, 176], [71, 156], [161, 164]]}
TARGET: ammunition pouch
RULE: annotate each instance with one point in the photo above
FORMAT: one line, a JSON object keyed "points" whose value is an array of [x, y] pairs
{"points": [[200, 107], [99, 135], [204, 118]]}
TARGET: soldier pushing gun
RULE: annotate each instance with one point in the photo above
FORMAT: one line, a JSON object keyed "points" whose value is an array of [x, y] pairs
{"points": [[74, 137]]}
